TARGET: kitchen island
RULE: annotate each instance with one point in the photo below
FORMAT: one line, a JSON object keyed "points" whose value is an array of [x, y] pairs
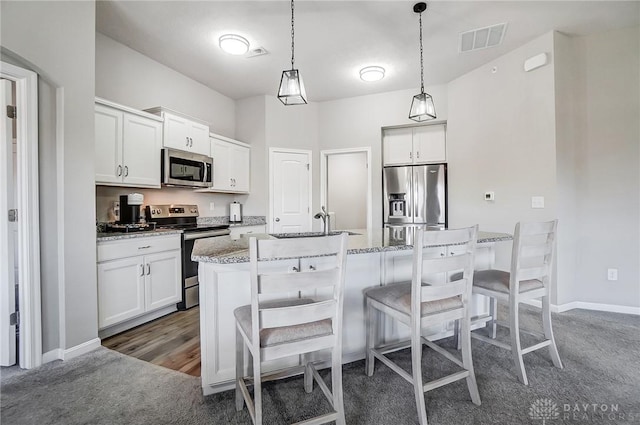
{"points": [[374, 258]]}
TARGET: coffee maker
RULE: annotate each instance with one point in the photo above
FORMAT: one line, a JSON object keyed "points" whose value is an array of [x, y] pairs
{"points": [[130, 208]]}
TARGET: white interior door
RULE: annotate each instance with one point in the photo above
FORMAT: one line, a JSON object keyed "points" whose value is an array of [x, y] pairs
{"points": [[290, 191], [8, 231]]}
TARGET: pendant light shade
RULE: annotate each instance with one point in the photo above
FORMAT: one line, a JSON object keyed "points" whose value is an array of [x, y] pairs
{"points": [[422, 107], [291, 91]]}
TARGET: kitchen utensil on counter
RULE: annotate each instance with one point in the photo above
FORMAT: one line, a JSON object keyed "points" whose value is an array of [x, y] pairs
{"points": [[130, 208], [235, 212]]}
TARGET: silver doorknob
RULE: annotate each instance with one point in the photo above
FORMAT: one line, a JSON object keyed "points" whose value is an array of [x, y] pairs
{"points": [[277, 219]]}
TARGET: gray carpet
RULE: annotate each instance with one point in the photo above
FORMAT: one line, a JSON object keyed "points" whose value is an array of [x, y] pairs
{"points": [[600, 351]]}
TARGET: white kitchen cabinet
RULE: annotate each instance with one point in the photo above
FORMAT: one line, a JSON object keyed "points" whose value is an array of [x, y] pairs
{"points": [[414, 145], [231, 165], [126, 141], [182, 132], [137, 276], [237, 231]]}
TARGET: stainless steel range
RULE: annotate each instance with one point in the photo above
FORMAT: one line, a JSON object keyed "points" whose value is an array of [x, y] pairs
{"points": [[185, 218]]}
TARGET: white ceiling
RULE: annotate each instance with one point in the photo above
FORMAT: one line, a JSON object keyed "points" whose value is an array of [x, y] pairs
{"points": [[334, 39]]}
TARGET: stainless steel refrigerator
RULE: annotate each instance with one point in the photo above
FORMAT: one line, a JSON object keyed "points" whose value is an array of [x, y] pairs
{"points": [[414, 196]]}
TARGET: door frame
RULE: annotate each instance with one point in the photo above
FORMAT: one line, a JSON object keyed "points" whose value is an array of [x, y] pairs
{"points": [[324, 163], [29, 299], [272, 151]]}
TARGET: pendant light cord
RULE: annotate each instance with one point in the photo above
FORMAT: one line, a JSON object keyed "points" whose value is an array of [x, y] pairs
{"points": [[292, 37], [421, 61]]}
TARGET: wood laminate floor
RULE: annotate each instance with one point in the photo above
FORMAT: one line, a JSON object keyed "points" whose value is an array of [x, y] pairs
{"points": [[172, 341]]}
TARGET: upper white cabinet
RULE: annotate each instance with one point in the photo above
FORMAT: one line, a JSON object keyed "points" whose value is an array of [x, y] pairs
{"points": [[127, 146], [414, 145], [231, 164], [180, 132]]}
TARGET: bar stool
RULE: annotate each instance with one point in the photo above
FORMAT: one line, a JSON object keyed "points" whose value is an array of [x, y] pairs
{"points": [[274, 325], [419, 303], [529, 279]]}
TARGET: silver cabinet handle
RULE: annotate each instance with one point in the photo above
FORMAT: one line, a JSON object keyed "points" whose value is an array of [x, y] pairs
{"points": [[191, 141], [295, 269], [126, 170], [187, 138], [418, 154], [141, 269], [277, 219], [144, 247], [311, 267], [148, 269], [410, 155], [119, 170]]}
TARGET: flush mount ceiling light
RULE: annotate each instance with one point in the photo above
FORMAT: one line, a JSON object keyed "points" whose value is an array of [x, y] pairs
{"points": [[234, 44], [372, 73], [291, 91], [422, 108]]}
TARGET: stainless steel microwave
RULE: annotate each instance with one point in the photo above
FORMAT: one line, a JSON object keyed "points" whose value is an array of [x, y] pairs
{"points": [[180, 168]]}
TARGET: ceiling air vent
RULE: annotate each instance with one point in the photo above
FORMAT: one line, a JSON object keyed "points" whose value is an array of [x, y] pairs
{"points": [[482, 38], [258, 51]]}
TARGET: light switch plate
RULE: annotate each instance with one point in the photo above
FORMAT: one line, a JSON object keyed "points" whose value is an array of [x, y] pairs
{"points": [[211, 206], [537, 202]]}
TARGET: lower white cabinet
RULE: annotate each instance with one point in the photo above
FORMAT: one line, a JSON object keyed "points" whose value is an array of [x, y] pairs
{"points": [[237, 231], [137, 276]]}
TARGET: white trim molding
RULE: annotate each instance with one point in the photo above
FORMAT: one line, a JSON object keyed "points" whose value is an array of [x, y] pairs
{"points": [[612, 308], [30, 342], [81, 349], [324, 155]]}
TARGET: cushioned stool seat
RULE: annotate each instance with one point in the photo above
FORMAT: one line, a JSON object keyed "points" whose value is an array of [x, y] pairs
{"points": [[398, 297], [497, 280]]}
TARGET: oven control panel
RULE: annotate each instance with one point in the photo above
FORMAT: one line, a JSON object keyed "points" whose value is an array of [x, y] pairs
{"points": [[173, 210]]}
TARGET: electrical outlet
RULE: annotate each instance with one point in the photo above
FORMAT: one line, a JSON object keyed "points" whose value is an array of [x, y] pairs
{"points": [[489, 196], [211, 206], [612, 274], [537, 202]]}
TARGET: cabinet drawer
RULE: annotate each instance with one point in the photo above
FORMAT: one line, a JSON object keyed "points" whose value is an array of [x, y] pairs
{"points": [[111, 250]]}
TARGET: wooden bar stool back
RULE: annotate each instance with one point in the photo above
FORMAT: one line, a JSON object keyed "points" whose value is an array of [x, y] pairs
{"points": [[277, 325], [529, 279], [422, 303]]}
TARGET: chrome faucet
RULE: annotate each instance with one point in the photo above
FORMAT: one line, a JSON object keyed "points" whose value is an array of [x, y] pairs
{"points": [[326, 220]]}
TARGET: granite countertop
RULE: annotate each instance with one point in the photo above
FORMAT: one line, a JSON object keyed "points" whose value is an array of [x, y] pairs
{"points": [[115, 236], [227, 250], [247, 220]]}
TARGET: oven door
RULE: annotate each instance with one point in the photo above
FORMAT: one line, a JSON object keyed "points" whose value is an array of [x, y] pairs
{"points": [[190, 288], [186, 169]]}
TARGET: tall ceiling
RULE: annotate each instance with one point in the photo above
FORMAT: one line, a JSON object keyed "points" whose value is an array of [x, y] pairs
{"points": [[335, 39]]}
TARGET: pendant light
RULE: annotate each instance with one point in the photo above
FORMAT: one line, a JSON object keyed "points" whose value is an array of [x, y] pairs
{"points": [[291, 91], [422, 108]]}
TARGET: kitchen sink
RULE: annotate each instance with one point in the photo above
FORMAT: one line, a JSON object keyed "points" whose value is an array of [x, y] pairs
{"points": [[309, 234]]}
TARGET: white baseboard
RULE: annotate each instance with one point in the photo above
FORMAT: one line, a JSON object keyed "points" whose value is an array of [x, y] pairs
{"points": [[612, 308], [81, 349], [78, 350], [55, 354]]}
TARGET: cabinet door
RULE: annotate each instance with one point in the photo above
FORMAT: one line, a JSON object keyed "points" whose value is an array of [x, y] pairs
{"points": [[429, 144], [221, 153], [240, 166], [176, 132], [398, 146], [108, 145], [199, 138], [237, 231], [120, 290], [163, 273], [141, 146]]}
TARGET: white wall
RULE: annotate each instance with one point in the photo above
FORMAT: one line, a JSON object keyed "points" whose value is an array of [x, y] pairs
{"points": [[601, 158], [125, 76], [62, 51], [251, 128], [347, 183]]}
